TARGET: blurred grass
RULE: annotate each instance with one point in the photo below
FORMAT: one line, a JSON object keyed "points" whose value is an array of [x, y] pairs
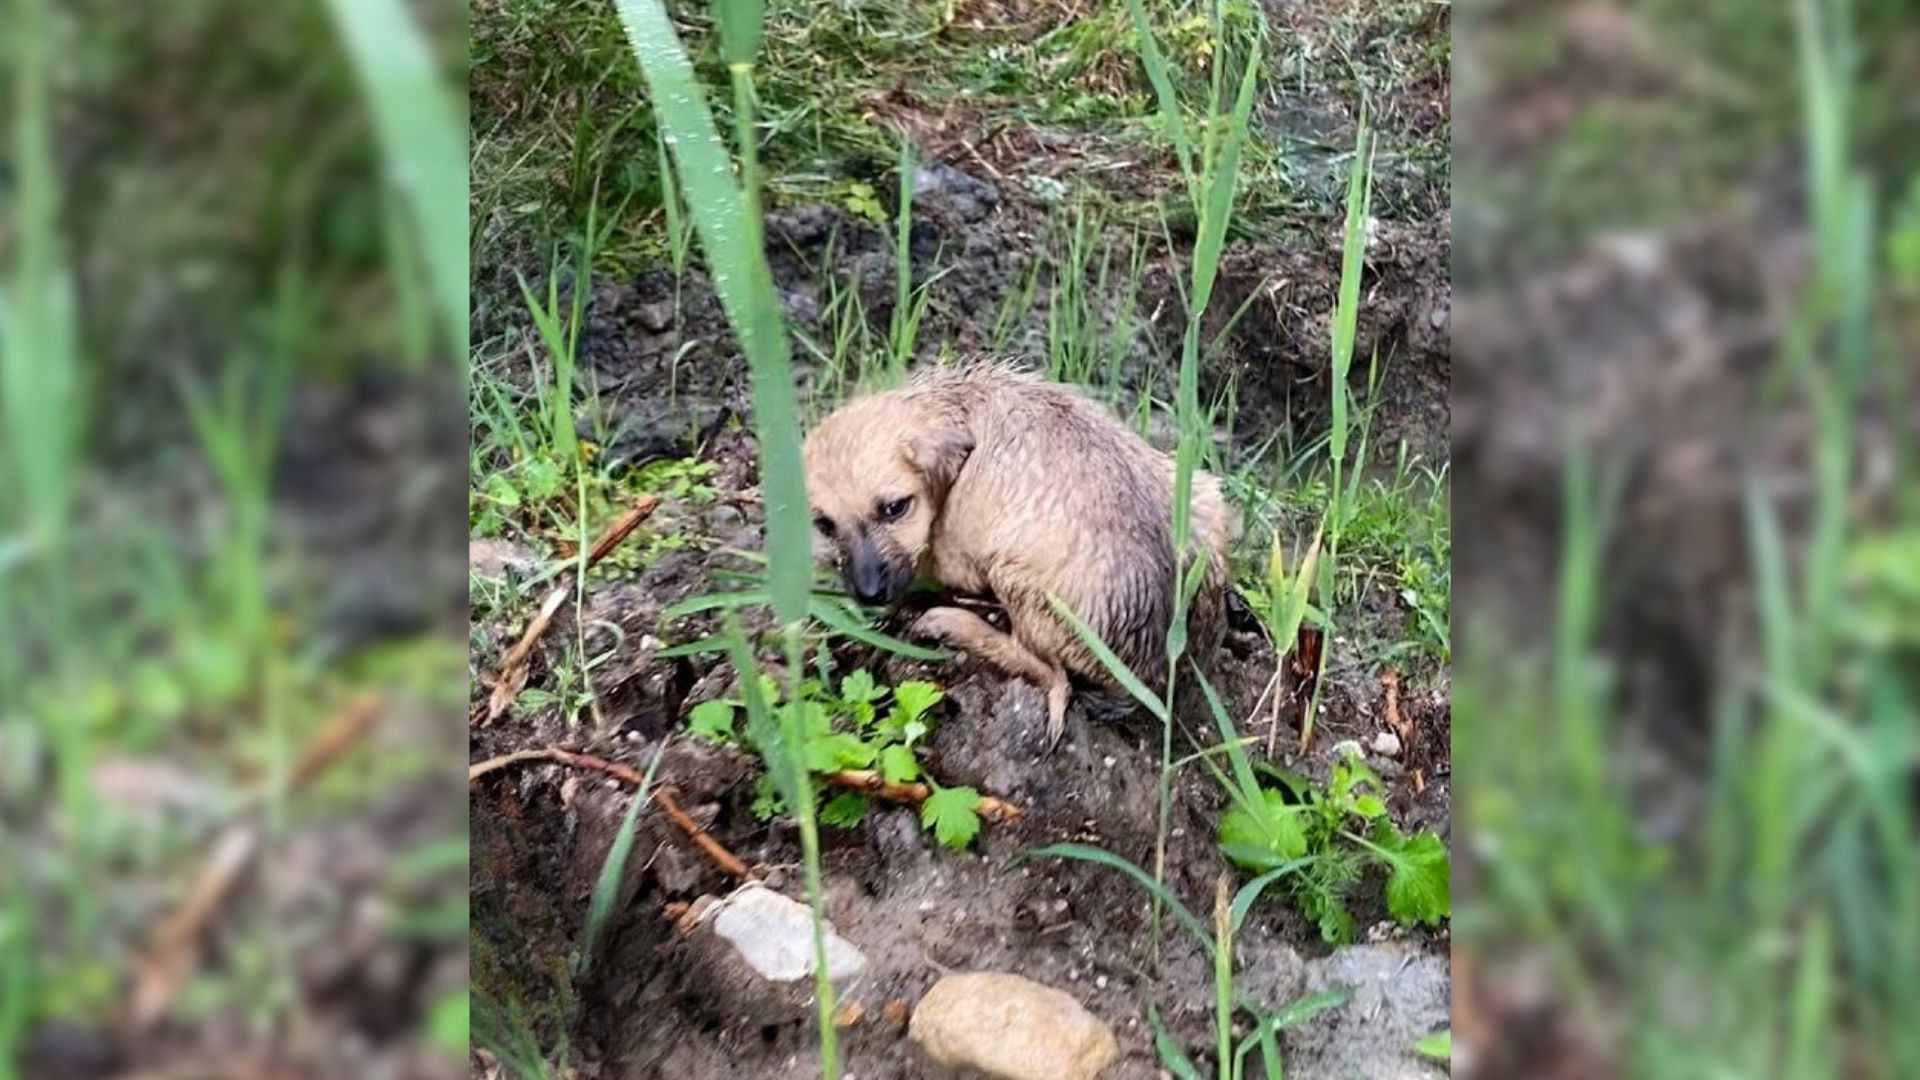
{"points": [[187, 256], [1775, 930]]}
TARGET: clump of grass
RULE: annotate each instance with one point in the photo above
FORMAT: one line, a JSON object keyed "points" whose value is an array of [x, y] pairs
{"points": [[1790, 910], [1212, 178]]}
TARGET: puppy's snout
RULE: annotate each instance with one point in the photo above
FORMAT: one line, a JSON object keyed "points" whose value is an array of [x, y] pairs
{"points": [[872, 579]]}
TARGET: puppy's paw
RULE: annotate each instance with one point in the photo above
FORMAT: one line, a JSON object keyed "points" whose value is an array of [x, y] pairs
{"points": [[955, 627]]}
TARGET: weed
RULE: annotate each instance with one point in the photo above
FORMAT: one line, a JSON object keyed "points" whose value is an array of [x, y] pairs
{"points": [[859, 725]]}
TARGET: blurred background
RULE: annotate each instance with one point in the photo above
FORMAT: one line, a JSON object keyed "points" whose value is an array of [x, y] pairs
{"points": [[1687, 342], [232, 430]]}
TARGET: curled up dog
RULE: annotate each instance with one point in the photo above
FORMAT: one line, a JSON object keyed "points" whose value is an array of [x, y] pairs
{"points": [[988, 480]]}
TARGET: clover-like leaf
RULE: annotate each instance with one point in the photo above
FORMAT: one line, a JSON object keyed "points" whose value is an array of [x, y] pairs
{"points": [[953, 815]]}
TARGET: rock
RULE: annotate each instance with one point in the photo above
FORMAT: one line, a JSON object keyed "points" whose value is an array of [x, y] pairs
{"points": [[496, 559], [1401, 993], [1386, 744], [944, 192], [774, 935], [1012, 1028]]}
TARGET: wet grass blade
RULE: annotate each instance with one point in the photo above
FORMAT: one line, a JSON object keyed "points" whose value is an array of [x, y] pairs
{"points": [[1163, 91], [423, 140], [607, 888], [840, 620], [1115, 666], [1085, 853], [725, 215]]}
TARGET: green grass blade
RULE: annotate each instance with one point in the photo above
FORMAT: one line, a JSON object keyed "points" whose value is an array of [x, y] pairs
{"points": [[1249, 893], [1248, 784], [1810, 1053], [423, 140], [727, 222], [1086, 853], [1156, 65], [842, 621], [504, 1032], [1115, 666], [607, 888], [1172, 1058], [727, 601], [742, 24]]}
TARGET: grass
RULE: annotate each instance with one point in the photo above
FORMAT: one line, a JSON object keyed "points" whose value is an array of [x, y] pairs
{"points": [[1785, 912], [139, 484]]}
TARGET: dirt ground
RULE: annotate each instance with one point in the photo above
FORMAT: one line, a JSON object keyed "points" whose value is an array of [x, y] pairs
{"points": [[670, 384]]}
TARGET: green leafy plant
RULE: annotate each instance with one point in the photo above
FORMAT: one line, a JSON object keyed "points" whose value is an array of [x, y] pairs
{"points": [[1338, 830], [857, 726], [1437, 1046]]}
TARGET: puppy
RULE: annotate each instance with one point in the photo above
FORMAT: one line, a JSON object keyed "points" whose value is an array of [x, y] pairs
{"points": [[988, 480]]}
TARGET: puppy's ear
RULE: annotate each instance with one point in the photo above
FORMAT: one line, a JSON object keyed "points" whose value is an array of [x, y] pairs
{"points": [[939, 454]]}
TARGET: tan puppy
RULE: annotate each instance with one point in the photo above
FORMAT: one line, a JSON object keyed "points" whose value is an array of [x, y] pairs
{"points": [[988, 480]]}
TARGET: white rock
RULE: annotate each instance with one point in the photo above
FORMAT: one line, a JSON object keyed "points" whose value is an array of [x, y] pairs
{"points": [[1011, 1028], [1386, 744], [774, 935]]}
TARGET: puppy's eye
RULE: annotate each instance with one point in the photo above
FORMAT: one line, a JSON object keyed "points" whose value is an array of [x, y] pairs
{"points": [[825, 525], [897, 509]]}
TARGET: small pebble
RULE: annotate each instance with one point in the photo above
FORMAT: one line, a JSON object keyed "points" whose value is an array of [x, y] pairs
{"points": [[1387, 744]]}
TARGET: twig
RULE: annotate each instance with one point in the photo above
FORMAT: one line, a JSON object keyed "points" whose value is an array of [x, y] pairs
{"points": [[872, 783], [626, 774], [1403, 727], [512, 677], [701, 838], [173, 949]]}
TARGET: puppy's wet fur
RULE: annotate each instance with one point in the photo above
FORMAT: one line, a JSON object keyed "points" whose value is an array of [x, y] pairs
{"points": [[989, 480]]}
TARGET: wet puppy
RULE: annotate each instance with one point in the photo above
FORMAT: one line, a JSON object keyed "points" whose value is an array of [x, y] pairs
{"points": [[988, 480]]}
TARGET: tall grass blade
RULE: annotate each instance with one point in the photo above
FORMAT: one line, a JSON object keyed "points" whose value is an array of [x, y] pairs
{"points": [[1156, 65], [423, 141], [903, 320], [1085, 853], [725, 215], [779, 740], [606, 889]]}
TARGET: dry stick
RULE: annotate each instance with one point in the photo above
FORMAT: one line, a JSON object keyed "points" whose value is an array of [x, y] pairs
{"points": [[1390, 682], [513, 669], [872, 783], [173, 949], [724, 859]]}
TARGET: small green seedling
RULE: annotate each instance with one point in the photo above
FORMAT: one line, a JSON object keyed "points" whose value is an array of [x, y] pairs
{"points": [[858, 725]]}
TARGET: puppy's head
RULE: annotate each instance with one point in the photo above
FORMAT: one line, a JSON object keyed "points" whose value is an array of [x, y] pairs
{"points": [[878, 471]]}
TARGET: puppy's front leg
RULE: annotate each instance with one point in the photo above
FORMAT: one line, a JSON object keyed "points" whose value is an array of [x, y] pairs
{"points": [[968, 632]]}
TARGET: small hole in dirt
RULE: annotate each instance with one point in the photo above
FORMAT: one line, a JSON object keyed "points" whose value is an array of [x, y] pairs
{"points": [[770, 1033]]}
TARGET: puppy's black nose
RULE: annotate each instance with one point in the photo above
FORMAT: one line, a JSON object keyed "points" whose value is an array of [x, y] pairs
{"points": [[867, 574], [869, 584]]}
